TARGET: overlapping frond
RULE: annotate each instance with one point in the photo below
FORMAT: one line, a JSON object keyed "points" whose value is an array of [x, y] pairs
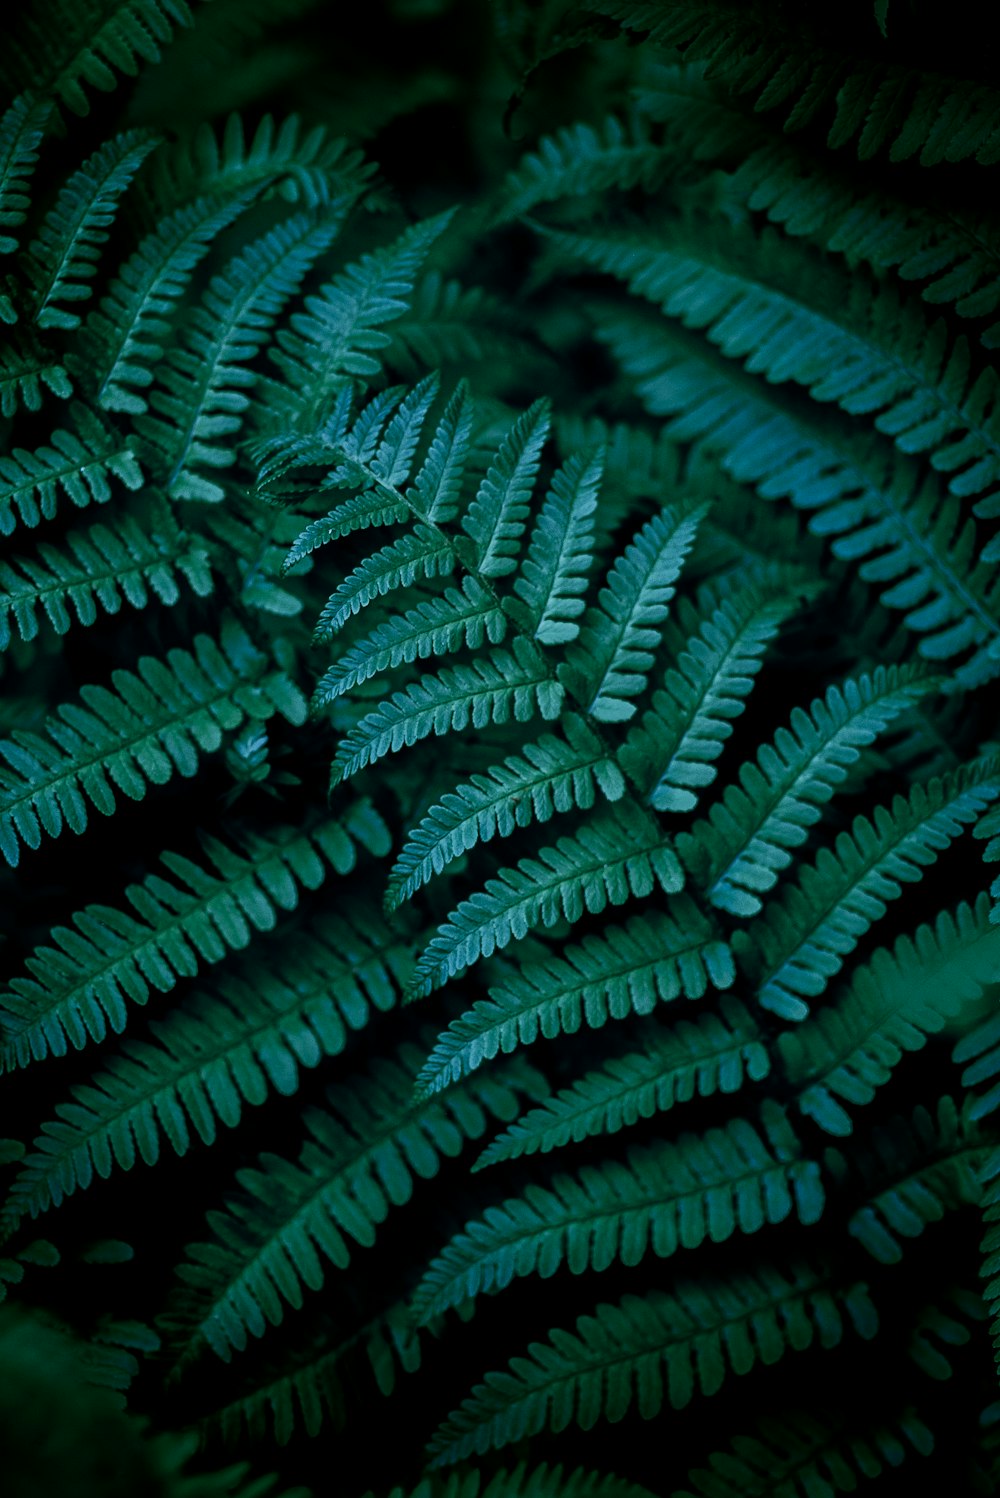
{"points": [[360, 1160], [149, 725], [655, 1350], [717, 1053], [628, 969], [657, 1200], [111, 958]]}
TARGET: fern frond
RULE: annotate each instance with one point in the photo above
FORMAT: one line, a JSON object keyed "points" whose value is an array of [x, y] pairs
{"points": [[21, 130], [125, 336], [878, 105], [616, 855], [658, 1200], [212, 1056], [302, 164], [791, 318], [63, 259], [494, 688], [95, 570], [550, 776], [420, 553], [582, 159], [28, 372], [932, 1161], [799, 1453], [614, 653], [671, 754], [151, 724], [804, 937], [718, 1053], [341, 329], [110, 959], [360, 1161], [658, 1349], [78, 462], [896, 530], [653, 959], [846, 1051], [464, 616], [553, 575], [69, 51], [738, 851], [203, 384], [496, 518]]}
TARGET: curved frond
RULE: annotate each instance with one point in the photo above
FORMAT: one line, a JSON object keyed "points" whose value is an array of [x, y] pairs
{"points": [[616, 855], [716, 1053], [109, 959], [553, 775], [739, 850], [799, 1453], [672, 752], [657, 1200], [804, 937], [655, 1350], [846, 1051], [630, 969], [614, 653], [78, 462], [151, 724], [63, 258], [215, 1054], [359, 1162], [95, 571]]}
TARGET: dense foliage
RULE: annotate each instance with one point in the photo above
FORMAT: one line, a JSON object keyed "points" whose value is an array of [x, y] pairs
{"points": [[500, 762]]}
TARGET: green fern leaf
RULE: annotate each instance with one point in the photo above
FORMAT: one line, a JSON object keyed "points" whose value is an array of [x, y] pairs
{"points": [[467, 616], [654, 1350], [797, 1454], [205, 380], [492, 689], [609, 663], [63, 259], [209, 1058], [68, 51], [302, 165], [616, 855], [658, 1200], [80, 463], [28, 373], [718, 1053], [93, 571], [898, 531], [360, 1161], [820, 919], [497, 516], [579, 160], [933, 1162], [21, 130], [846, 1051], [628, 969], [109, 959], [671, 753], [126, 335], [341, 329], [738, 852], [421, 553], [151, 725], [553, 575], [553, 775]]}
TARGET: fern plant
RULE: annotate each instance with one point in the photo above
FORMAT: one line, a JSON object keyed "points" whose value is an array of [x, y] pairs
{"points": [[523, 971]]}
